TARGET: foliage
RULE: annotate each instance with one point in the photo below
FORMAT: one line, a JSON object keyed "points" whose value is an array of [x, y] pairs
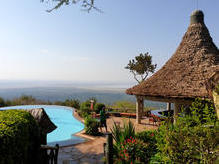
{"points": [[19, 137], [74, 103], [59, 103], [98, 107], [192, 139], [201, 112], [120, 135], [217, 89], [124, 105], [148, 148], [133, 148], [141, 66], [86, 4], [23, 100], [129, 151], [84, 109], [91, 126]]}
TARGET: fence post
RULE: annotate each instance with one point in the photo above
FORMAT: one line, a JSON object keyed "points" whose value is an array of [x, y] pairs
{"points": [[109, 148]]}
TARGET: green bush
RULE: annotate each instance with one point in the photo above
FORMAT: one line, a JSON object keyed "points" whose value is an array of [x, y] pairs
{"points": [[201, 112], [148, 148], [23, 100], [19, 137], [120, 136], [192, 139], [84, 109], [91, 126], [217, 89], [98, 107], [74, 103], [133, 148]]}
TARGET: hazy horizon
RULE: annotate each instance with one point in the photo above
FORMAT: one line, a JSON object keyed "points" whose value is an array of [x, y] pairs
{"points": [[4, 84]]}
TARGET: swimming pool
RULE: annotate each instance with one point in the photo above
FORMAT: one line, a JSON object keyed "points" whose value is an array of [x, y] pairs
{"points": [[62, 117]]}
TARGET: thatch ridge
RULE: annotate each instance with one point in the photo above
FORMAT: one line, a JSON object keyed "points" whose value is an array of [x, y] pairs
{"points": [[187, 72]]}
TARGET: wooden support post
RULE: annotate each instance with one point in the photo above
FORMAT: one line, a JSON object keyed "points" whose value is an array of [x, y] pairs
{"points": [[176, 111], [139, 109], [109, 148], [168, 106]]}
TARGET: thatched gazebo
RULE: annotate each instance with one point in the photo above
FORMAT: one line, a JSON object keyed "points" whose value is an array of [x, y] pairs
{"points": [[45, 124], [186, 75]]}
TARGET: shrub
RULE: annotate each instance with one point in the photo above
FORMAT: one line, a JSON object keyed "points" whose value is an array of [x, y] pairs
{"points": [[72, 103], [59, 103], [120, 135], [19, 137], [23, 100], [129, 151], [84, 109], [217, 89], [91, 126], [98, 107], [201, 112], [133, 148], [148, 148], [192, 139]]}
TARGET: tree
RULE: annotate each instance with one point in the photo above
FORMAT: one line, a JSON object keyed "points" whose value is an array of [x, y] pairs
{"points": [[86, 4], [141, 66]]}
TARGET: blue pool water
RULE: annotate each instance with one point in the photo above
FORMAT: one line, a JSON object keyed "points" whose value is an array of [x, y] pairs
{"points": [[62, 117]]}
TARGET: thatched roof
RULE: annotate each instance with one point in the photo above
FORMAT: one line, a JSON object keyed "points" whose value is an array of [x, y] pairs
{"points": [[187, 72], [45, 124]]}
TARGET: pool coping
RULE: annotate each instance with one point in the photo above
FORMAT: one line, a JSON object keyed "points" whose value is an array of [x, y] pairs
{"points": [[81, 133]]}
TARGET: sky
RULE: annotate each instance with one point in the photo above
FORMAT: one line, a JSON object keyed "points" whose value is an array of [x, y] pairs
{"points": [[70, 44]]}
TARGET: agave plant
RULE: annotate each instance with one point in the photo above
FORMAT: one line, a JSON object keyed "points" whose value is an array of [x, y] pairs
{"points": [[120, 135]]}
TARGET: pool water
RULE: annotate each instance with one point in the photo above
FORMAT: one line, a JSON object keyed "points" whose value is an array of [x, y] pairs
{"points": [[62, 117]]}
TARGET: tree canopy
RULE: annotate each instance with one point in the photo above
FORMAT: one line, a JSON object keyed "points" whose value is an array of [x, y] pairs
{"points": [[141, 66]]}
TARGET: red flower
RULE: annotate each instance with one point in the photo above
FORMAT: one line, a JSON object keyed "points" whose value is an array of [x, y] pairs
{"points": [[152, 134]]}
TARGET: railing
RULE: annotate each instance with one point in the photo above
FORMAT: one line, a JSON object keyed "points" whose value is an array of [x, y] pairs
{"points": [[121, 110], [49, 154]]}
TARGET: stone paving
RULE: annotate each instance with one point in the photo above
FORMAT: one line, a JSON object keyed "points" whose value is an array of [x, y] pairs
{"points": [[91, 152]]}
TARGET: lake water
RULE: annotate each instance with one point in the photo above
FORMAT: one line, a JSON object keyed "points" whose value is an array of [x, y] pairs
{"points": [[66, 124]]}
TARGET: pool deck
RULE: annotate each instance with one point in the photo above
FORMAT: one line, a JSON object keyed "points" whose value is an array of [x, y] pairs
{"points": [[91, 151]]}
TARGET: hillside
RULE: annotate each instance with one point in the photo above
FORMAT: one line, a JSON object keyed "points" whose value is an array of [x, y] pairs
{"points": [[107, 96]]}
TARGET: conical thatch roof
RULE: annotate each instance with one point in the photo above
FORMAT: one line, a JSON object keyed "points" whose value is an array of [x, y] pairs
{"points": [[187, 72], [45, 124]]}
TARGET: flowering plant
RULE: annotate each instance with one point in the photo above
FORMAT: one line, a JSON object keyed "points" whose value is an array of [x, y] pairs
{"points": [[129, 151]]}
